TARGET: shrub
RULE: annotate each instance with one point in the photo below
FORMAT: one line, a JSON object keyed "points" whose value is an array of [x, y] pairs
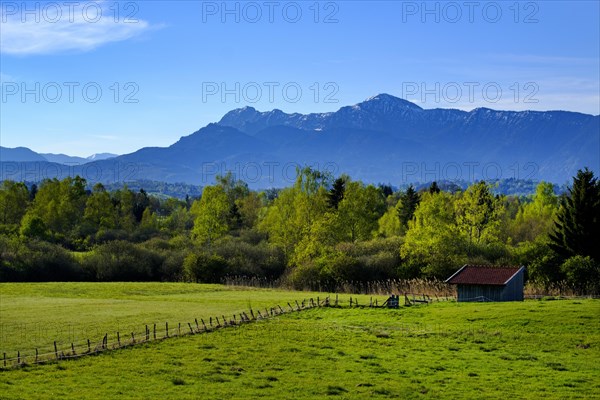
{"points": [[582, 273], [202, 267], [123, 261], [37, 261]]}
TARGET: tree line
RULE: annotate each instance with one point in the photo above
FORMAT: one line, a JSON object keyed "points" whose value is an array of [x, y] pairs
{"points": [[321, 229]]}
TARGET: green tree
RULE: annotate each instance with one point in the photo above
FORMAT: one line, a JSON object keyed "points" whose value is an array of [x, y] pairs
{"points": [[14, 200], [99, 209], [125, 204], [280, 222], [236, 190], [33, 227], [291, 215], [149, 220], [60, 204], [433, 243], [359, 211], [389, 223], [536, 218], [577, 226], [211, 215], [249, 208], [179, 220], [478, 214]]}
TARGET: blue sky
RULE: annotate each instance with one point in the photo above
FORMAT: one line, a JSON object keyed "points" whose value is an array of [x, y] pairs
{"points": [[166, 69]]}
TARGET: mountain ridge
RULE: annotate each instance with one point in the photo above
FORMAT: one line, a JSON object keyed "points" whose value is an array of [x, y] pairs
{"points": [[382, 139]]}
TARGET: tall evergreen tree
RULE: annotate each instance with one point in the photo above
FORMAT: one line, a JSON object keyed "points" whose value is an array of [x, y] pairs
{"points": [[577, 226], [409, 202], [386, 190], [434, 188], [336, 193]]}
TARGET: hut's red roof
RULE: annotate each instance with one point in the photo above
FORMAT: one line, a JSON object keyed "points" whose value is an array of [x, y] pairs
{"points": [[482, 275]]}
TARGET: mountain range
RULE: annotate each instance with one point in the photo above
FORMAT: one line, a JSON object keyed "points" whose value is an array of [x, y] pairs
{"points": [[382, 139]]}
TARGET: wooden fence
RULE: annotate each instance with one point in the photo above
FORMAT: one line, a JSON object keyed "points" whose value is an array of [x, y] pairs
{"points": [[156, 332], [150, 333]]}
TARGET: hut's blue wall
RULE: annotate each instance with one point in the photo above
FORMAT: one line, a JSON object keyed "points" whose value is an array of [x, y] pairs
{"points": [[512, 291], [479, 293]]}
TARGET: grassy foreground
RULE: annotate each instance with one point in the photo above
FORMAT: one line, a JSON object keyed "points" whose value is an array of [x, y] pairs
{"points": [[535, 349], [34, 315]]}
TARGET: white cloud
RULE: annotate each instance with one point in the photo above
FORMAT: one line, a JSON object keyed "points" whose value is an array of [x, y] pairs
{"points": [[74, 29]]}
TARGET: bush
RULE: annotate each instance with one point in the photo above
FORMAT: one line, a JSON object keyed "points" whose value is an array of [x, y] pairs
{"points": [[123, 261], [251, 260], [582, 273], [37, 261], [205, 268]]}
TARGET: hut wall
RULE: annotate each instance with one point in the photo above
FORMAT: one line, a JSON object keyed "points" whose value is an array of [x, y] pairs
{"points": [[513, 291]]}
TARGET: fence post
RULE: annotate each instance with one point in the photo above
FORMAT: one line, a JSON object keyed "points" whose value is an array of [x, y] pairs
{"points": [[155, 331], [167, 329], [132, 338], [191, 330], [147, 333], [55, 350], [203, 324], [119, 339], [197, 326], [252, 313], [179, 330], [336, 299], [89, 346], [73, 349], [5, 359], [18, 357], [280, 309]]}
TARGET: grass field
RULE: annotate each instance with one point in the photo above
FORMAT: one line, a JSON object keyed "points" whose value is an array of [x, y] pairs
{"points": [[35, 315], [533, 349]]}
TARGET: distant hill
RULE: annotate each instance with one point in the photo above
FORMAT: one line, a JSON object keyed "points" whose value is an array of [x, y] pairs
{"points": [[19, 154], [383, 139], [70, 160], [23, 154]]}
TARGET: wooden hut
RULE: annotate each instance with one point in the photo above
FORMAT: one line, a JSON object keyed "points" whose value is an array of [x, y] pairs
{"points": [[488, 283]]}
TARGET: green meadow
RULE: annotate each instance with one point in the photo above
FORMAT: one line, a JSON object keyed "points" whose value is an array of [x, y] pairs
{"points": [[34, 315], [531, 350]]}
